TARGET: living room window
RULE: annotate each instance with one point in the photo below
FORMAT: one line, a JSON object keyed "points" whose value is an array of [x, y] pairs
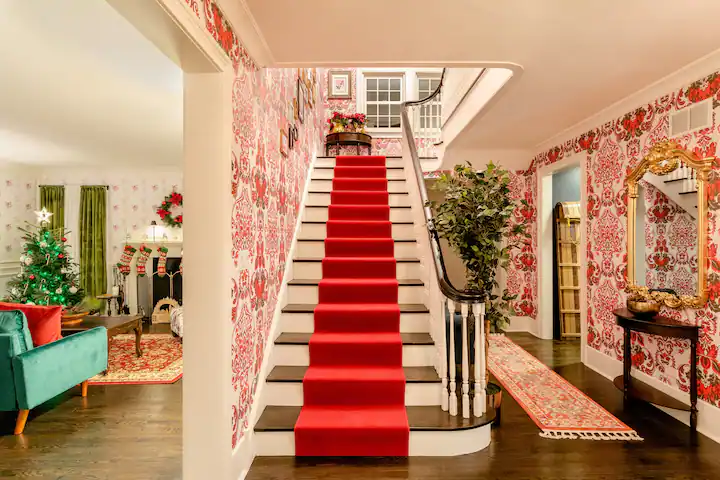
{"points": [[431, 113]]}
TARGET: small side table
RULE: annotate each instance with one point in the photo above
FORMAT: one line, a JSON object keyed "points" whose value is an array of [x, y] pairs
{"points": [[109, 297], [666, 327], [348, 138]]}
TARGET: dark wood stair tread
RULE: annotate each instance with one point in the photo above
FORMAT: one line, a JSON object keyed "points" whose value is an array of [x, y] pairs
{"points": [[423, 418], [333, 168], [289, 373], [391, 193], [331, 179], [310, 308], [315, 281], [319, 259], [355, 205], [386, 156], [297, 338], [325, 221], [396, 240]]}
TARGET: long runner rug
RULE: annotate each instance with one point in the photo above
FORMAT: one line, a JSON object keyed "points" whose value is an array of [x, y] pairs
{"points": [[160, 363], [557, 407], [354, 388]]}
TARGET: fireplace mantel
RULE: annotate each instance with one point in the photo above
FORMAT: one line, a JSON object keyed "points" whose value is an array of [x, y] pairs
{"points": [[131, 284]]}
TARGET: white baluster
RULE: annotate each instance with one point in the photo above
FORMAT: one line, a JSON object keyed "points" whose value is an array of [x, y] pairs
{"points": [[479, 398], [451, 363], [465, 366], [444, 363]]}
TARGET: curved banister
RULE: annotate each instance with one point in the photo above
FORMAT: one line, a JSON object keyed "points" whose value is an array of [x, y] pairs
{"points": [[446, 286]]}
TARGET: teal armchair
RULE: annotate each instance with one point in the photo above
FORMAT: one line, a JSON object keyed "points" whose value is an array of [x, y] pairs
{"points": [[31, 376]]}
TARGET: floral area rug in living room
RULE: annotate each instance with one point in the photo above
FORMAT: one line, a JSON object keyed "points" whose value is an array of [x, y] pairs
{"points": [[161, 362], [558, 408]]}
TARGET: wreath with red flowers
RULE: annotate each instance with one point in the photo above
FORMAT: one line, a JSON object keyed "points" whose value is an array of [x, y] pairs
{"points": [[164, 210]]}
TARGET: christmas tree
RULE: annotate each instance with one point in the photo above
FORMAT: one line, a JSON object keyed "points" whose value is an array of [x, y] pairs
{"points": [[48, 277]]}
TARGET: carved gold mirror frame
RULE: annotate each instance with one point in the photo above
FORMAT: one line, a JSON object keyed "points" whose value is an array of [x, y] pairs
{"points": [[663, 158]]}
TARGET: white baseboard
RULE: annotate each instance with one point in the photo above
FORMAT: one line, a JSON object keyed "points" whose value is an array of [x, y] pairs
{"points": [[523, 324], [708, 415]]}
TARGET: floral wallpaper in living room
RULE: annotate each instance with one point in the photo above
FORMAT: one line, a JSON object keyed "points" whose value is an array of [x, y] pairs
{"points": [[610, 151], [18, 202]]}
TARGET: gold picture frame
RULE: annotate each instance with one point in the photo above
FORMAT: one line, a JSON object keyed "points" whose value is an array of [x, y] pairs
{"points": [[284, 143], [662, 159]]}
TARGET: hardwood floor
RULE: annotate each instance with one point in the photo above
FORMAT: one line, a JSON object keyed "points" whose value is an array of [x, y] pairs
{"points": [[118, 432], [135, 432]]}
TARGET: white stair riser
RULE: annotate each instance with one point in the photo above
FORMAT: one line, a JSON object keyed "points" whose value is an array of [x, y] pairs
{"points": [[398, 200], [321, 214], [309, 294], [329, 173], [436, 443], [305, 322], [317, 250], [313, 270], [330, 162], [326, 186], [299, 355], [290, 394], [319, 230]]}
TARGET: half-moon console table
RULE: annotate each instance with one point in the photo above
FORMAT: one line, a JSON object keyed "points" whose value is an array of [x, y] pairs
{"points": [[666, 327], [348, 138]]}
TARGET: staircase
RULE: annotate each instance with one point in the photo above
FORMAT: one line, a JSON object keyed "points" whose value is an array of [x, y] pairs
{"points": [[354, 364]]}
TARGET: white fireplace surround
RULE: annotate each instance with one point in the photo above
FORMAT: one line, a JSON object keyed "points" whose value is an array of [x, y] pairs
{"points": [[131, 284]]}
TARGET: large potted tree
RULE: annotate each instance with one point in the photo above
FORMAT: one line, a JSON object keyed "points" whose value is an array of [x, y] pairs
{"points": [[475, 219]]}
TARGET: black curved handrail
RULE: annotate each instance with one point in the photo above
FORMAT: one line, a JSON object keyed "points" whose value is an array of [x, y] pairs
{"points": [[447, 288]]}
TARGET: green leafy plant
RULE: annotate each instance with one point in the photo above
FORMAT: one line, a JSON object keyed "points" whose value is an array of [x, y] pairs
{"points": [[475, 219]]}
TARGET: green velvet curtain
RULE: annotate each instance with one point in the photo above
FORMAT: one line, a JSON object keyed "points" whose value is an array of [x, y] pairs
{"points": [[93, 271], [52, 197]]}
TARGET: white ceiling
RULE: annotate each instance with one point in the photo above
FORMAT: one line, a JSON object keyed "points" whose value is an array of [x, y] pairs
{"points": [[80, 86], [577, 56]]}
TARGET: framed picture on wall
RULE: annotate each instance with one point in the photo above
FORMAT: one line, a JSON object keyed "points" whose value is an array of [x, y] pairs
{"points": [[301, 99], [339, 84], [283, 143]]}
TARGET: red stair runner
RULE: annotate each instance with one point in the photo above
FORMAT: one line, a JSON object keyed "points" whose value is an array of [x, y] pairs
{"points": [[354, 388]]}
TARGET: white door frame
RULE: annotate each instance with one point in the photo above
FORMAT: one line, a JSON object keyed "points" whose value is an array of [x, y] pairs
{"points": [[207, 142], [545, 247]]}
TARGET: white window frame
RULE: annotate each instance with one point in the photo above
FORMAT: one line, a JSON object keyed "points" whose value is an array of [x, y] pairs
{"points": [[430, 75], [409, 79]]}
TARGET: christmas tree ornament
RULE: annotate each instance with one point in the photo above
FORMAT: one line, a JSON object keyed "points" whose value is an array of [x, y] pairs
{"points": [[125, 259], [162, 261], [145, 252]]}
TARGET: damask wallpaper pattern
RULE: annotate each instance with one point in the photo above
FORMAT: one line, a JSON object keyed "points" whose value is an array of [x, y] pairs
{"points": [[610, 151], [670, 243]]}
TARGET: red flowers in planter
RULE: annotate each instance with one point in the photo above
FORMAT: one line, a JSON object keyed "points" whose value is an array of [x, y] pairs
{"points": [[344, 122]]}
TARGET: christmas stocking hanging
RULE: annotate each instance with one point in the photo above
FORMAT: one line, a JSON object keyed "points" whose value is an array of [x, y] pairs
{"points": [[125, 259], [145, 252], [162, 261]]}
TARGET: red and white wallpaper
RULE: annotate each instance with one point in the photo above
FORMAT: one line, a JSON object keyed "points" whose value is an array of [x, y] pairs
{"points": [[610, 152], [670, 243], [522, 271], [18, 202]]}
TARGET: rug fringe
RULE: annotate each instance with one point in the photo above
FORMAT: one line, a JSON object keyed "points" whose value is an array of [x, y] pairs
{"points": [[630, 435]]}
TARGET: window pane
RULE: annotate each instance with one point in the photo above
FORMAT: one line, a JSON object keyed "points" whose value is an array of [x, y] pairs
{"points": [[434, 84], [372, 83], [371, 109], [395, 84], [371, 121], [383, 96], [382, 83], [395, 121], [384, 109], [423, 84], [372, 96], [435, 122], [395, 109], [383, 122], [394, 96]]}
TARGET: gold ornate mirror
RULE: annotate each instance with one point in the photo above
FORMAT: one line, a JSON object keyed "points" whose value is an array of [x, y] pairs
{"points": [[667, 226]]}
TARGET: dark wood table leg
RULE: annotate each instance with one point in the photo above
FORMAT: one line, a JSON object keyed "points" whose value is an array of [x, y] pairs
{"points": [[327, 149], [627, 365], [357, 148], [693, 386], [138, 338], [109, 335]]}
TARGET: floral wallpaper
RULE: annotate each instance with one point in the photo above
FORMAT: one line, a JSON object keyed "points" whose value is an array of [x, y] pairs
{"points": [[670, 243], [522, 271], [18, 202], [610, 151]]}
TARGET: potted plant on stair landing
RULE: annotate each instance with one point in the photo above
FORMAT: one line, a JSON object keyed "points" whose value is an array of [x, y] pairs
{"points": [[475, 219]]}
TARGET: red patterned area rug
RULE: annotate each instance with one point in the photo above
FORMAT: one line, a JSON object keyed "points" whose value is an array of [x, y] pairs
{"points": [[161, 361], [557, 407]]}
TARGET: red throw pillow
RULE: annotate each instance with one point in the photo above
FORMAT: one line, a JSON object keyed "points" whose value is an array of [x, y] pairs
{"points": [[43, 322]]}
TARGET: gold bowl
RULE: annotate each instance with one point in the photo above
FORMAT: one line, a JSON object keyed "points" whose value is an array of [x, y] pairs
{"points": [[643, 308]]}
